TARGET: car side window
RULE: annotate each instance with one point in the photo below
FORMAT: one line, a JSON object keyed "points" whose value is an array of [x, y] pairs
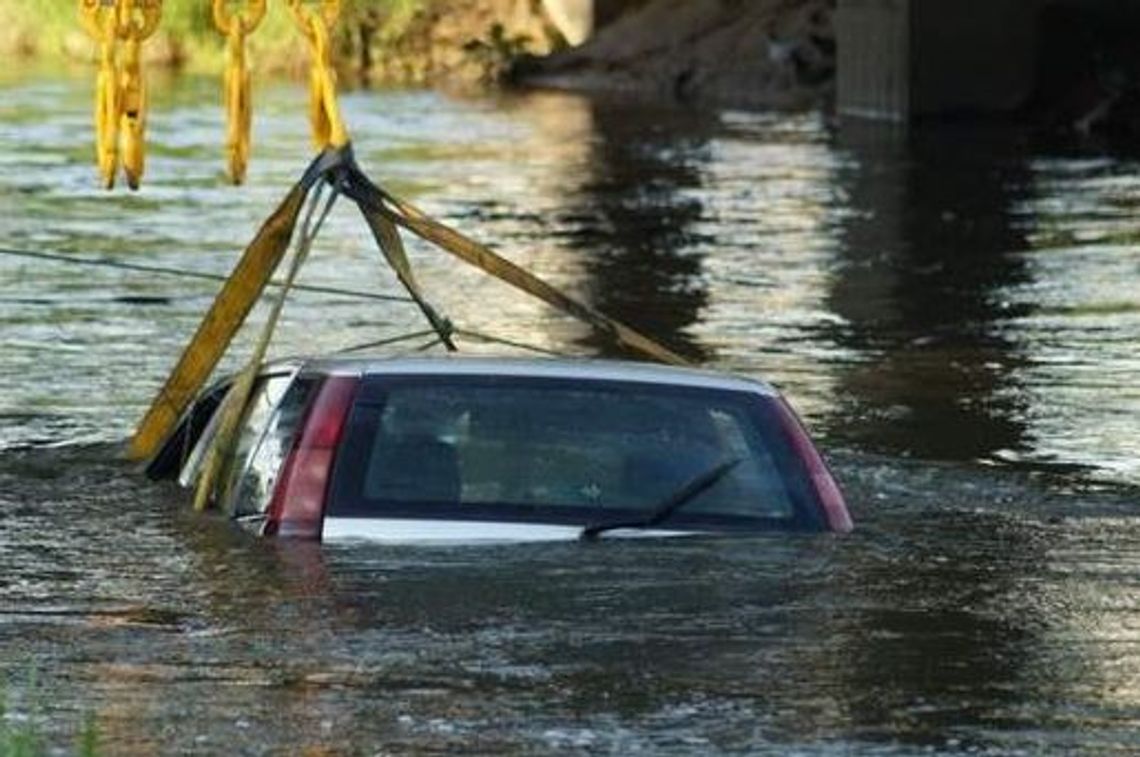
{"points": [[266, 438]]}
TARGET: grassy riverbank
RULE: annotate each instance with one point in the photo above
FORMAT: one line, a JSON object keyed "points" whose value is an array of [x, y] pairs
{"points": [[23, 734], [401, 41], [49, 30]]}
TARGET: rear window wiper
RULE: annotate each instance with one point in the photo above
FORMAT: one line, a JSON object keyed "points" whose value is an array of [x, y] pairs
{"points": [[670, 505]]}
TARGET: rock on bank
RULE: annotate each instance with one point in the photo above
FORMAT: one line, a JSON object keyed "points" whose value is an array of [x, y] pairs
{"points": [[766, 53]]}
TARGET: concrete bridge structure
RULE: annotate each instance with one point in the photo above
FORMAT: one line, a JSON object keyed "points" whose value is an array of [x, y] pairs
{"points": [[899, 59], [904, 58]]}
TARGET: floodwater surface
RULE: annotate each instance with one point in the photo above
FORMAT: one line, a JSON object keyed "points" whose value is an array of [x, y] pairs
{"points": [[954, 311]]}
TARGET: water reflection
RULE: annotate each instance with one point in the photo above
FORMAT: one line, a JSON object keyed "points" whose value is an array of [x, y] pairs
{"points": [[929, 253], [955, 617], [631, 216], [938, 657], [949, 295], [955, 293]]}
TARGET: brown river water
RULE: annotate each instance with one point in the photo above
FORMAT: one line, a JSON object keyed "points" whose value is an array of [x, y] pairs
{"points": [[954, 311]]}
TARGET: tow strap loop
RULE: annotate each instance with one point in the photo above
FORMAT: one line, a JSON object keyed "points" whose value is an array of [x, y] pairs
{"points": [[385, 214], [324, 112], [236, 90]]}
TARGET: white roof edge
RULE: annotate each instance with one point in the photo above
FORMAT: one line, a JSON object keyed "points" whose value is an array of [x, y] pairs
{"points": [[573, 368]]}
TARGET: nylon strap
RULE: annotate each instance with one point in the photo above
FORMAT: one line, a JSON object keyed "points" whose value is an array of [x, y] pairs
{"points": [[229, 310], [384, 214], [237, 398], [375, 201]]}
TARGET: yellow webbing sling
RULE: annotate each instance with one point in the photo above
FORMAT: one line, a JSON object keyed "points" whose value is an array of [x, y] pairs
{"points": [[230, 308], [384, 214]]}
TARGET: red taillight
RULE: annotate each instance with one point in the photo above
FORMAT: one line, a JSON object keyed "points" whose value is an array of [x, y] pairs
{"points": [[830, 498], [298, 505]]}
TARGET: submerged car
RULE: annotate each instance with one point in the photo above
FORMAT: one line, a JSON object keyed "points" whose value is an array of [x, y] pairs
{"points": [[471, 449]]}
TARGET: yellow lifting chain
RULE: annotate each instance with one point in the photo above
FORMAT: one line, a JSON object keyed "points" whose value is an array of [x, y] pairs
{"points": [[98, 17], [324, 112], [236, 83], [137, 21], [120, 92]]}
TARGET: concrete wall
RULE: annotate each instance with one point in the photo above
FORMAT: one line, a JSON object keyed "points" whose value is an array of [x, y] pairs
{"points": [[873, 58], [903, 58], [972, 55]]}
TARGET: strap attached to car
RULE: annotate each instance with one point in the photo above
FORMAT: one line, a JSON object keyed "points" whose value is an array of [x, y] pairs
{"points": [[386, 215]]}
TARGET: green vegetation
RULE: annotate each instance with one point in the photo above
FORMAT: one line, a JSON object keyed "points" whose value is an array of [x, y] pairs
{"points": [[24, 738], [496, 53], [50, 30], [17, 739]]}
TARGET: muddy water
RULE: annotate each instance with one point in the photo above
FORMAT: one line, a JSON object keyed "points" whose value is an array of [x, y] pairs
{"points": [[972, 612], [954, 311]]}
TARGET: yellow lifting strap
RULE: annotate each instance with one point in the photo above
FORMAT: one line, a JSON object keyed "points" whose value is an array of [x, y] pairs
{"points": [[324, 111], [236, 82], [482, 257], [237, 398], [230, 309], [120, 91], [384, 213]]}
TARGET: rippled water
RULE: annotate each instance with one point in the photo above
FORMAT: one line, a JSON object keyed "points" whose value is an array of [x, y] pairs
{"points": [[955, 294], [971, 611], [954, 311]]}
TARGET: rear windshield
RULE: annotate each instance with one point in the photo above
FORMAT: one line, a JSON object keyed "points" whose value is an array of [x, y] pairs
{"points": [[558, 451]]}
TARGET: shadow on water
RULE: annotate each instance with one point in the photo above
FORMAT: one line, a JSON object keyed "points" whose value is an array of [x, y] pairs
{"points": [[632, 216], [928, 249]]}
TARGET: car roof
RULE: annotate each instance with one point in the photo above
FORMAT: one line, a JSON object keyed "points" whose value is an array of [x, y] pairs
{"points": [[556, 368]]}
